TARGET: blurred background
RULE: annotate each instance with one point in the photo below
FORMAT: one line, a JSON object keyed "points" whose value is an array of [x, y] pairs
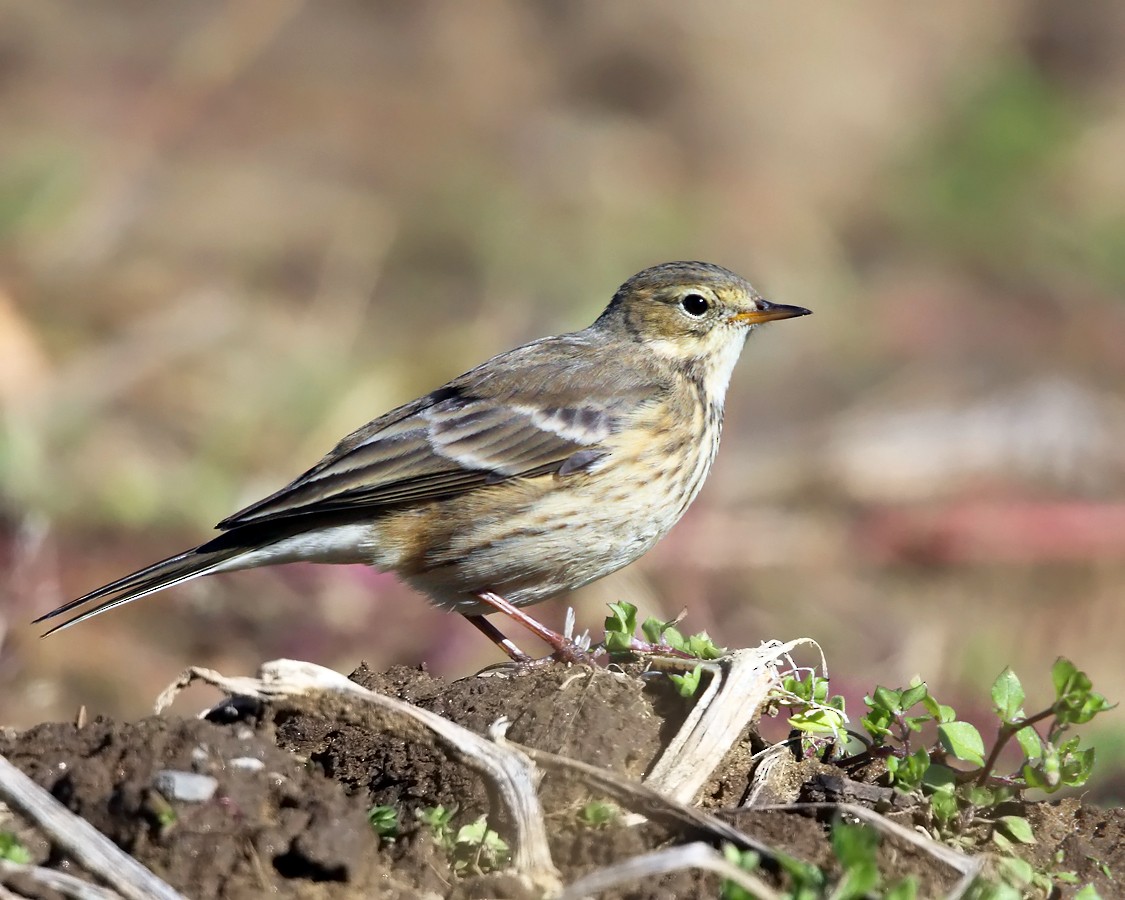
{"points": [[232, 231]]}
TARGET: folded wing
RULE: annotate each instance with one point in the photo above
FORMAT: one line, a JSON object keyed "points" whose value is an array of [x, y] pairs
{"points": [[436, 451]]}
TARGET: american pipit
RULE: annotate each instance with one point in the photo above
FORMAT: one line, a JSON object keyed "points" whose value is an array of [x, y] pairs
{"points": [[541, 470]]}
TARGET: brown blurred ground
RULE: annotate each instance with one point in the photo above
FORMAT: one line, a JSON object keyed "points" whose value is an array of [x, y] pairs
{"points": [[232, 231]]}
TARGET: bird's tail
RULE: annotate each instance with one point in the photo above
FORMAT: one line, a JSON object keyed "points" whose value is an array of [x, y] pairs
{"points": [[164, 574]]}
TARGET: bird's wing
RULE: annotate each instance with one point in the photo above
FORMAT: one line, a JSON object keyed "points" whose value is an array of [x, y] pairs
{"points": [[481, 428]]}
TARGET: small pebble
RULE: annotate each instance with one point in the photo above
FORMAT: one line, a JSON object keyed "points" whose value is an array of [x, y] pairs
{"points": [[189, 787], [247, 762]]}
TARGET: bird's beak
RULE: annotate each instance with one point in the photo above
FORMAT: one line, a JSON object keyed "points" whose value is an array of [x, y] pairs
{"points": [[769, 312]]}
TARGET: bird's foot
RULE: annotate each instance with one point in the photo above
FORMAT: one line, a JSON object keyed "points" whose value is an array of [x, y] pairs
{"points": [[564, 649], [522, 664]]}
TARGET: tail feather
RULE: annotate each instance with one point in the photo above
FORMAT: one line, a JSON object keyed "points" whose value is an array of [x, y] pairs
{"points": [[164, 574], [245, 540]]}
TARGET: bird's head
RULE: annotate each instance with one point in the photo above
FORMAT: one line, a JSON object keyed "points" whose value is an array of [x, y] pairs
{"points": [[692, 313]]}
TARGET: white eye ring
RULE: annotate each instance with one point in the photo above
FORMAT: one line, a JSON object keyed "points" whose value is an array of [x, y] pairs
{"points": [[695, 305]]}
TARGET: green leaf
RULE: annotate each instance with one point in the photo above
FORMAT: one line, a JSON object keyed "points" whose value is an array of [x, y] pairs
{"points": [[854, 844], [688, 683], [913, 695], [671, 637], [907, 774], [805, 875], [1065, 677], [623, 618], [598, 813], [439, 820], [1089, 892], [940, 783], [1034, 777], [1018, 870], [473, 832], [939, 778], [652, 628], [479, 846], [858, 881], [1076, 768], [1030, 742], [1075, 702], [907, 889], [963, 741], [995, 890], [701, 646], [746, 860], [886, 699], [1017, 828], [1008, 696], [795, 686], [1080, 707], [818, 721], [978, 797], [12, 850], [939, 711], [1002, 841], [944, 806], [1070, 745], [384, 821], [877, 724], [620, 626]]}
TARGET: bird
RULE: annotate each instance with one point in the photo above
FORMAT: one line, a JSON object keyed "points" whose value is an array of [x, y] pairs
{"points": [[543, 469]]}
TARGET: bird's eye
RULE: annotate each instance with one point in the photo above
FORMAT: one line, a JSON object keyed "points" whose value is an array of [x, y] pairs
{"points": [[695, 305]]}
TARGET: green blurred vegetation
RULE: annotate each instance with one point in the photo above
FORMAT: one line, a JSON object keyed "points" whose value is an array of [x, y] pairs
{"points": [[988, 185]]}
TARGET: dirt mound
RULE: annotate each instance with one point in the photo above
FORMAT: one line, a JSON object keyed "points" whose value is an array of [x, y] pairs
{"points": [[265, 800]]}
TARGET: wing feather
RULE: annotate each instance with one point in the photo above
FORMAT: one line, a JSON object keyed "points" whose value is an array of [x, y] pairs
{"points": [[480, 429]]}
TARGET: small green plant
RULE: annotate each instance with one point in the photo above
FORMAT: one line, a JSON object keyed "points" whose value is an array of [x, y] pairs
{"points": [[659, 638], [161, 811], [598, 814], [854, 846], [688, 683], [384, 821], [478, 847], [440, 822], [1102, 866], [953, 768], [748, 861], [924, 748], [12, 850], [473, 847], [815, 714], [958, 794], [1017, 878]]}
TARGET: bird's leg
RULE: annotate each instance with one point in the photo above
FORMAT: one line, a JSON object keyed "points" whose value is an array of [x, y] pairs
{"points": [[497, 637], [564, 650]]}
